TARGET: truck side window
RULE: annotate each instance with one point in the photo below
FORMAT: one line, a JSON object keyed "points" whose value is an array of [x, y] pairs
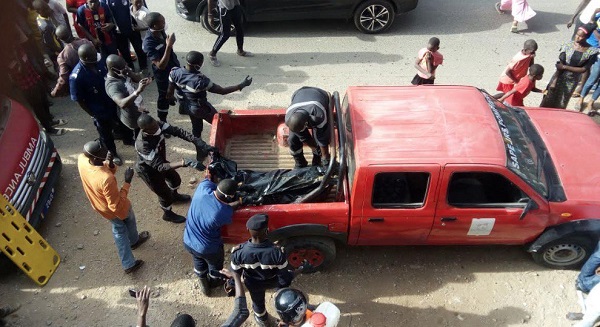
{"points": [[400, 190], [482, 189]]}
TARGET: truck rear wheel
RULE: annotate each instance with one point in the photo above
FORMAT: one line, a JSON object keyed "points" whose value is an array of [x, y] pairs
{"points": [[564, 253], [319, 251]]}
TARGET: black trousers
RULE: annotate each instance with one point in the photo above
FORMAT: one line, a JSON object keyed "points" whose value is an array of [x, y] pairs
{"points": [[135, 38], [38, 101], [198, 114], [257, 289], [163, 184], [162, 84], [105, 127], [228, 17]]}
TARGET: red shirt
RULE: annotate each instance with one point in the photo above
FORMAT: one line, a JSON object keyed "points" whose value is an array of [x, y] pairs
{"points": [[77, 4], [523, 88]]}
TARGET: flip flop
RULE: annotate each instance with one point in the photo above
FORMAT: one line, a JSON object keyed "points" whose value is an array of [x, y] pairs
{"points": [[56, 131], [58, 122], [143, 237], [497, 6], [576, 95], [514, 29]]}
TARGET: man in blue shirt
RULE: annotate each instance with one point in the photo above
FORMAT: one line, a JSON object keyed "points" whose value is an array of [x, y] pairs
{"points": [[86, 84], [194, 85], [159, 48], [211, 208], [124, 32], [96, 21]]}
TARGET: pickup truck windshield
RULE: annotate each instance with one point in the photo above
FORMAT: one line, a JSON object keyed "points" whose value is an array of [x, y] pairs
{"points": [[522, 155]]}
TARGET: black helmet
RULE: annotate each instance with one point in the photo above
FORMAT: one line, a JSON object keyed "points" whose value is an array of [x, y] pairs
{"points": [[291, 305]]}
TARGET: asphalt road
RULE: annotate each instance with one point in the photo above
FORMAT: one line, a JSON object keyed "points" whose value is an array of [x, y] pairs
{"points": [[373, 286]]}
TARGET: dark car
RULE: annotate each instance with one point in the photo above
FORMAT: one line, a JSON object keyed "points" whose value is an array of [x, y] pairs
{"points": [[369, 16]]}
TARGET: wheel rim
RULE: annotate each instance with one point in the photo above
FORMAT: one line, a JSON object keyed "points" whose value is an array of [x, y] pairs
{"points": [[564, 254], [313, 256], [217, 20], [374, 18]]}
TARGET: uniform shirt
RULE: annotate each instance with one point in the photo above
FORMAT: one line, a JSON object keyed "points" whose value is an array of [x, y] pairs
{"points": [[518, 66], [228, 4], [155, 47], [87, 86], [205, 218], [67, 59], [523, 88], [259, 262], [58, 13], [193, 85], [312, 100], [151, 149], [120, 13], [101, 188], [436, 56], [122, 88]]}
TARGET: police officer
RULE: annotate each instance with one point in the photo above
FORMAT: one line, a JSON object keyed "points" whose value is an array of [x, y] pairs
{"points": [[194, 85], [262, 264], [154, 168], [309, 109]]}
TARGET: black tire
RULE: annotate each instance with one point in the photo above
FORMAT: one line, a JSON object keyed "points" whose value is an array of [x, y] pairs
{"points": [[319, 251], [565, 253], [374, 16], [203, 18]]}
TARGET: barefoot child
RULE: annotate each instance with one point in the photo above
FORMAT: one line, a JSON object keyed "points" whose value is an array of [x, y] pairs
{"points": [[515, 96], [427, 62], [517, 67]]}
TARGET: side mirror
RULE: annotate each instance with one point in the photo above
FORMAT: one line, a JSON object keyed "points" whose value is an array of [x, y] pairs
{"points": [[530, 205]]}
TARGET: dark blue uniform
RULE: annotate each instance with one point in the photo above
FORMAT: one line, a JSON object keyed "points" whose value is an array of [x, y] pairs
{"points": [[315, 102], [264, 266], [124, 32], [194, 86], [155, 47], [87, 86]]}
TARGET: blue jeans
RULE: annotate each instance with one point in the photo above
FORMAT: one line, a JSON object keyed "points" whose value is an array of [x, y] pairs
{"points": [[207, 263], [125, 234], [593, 79], [587, 278]]}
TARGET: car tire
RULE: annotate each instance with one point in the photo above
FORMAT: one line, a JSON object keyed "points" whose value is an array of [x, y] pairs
{"points": [[565, 253], [374, 16], [204, 21], [319, 251]]}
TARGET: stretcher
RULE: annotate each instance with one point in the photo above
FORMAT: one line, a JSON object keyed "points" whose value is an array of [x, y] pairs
{"points": [[22, 244]]}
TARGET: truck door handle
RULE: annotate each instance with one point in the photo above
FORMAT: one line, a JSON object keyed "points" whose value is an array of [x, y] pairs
{"points": [[444, 219], [376, 220]]}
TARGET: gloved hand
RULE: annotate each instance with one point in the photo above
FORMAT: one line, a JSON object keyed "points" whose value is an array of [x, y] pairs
{"points": [[128, 175], [194, 164], [246, 82], [305, 266]]}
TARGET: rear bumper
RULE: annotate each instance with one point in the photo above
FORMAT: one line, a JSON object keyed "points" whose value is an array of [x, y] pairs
{"points": [[42, 204], [187, 9]]}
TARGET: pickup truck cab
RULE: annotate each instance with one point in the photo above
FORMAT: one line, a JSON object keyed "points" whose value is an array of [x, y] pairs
{"points": [[431, 165]]}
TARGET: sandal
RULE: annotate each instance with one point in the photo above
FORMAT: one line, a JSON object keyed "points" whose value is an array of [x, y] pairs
{"points": [[576, 95], [514, 29], [143, 237], [136, 266], [497, 6], [58, 122], [56, 131]]}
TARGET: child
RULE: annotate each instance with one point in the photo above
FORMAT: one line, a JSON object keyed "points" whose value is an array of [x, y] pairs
{"points": [[515, 96], [517, 67], [520, 11], [427, 62]]}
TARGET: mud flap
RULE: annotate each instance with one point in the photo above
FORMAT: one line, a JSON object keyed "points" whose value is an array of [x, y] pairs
{"points": [[24, 246]]}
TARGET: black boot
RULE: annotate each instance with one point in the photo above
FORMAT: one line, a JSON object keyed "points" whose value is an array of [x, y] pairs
{"points": [[300, 161], [316, 159], [205, 286], [180, 198], [170, 216]]}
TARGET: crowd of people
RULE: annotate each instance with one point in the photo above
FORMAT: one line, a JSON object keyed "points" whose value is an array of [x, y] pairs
{"points": [[98, 70]]}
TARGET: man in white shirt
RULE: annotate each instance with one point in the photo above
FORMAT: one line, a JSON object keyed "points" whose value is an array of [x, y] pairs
{"points": [[59, 13]]}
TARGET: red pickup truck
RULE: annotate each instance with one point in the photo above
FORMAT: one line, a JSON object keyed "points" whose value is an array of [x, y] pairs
{"points": [[431, 165]]}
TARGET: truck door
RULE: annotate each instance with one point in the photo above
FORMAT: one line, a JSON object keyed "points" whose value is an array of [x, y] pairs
{"points": [[400, 208], [481, 206]]}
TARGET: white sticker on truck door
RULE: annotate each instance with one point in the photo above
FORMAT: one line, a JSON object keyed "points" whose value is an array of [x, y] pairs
{"points": [[481, 226]]}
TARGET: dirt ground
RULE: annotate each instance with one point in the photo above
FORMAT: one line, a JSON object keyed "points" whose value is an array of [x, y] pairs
{"points": [[372, 286]]}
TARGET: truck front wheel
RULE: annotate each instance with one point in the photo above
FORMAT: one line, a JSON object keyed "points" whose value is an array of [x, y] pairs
{"points": [[318, 251], [564, 253]]}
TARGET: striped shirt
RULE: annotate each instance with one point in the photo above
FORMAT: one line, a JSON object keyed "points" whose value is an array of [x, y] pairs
{"points": [[258, 261]]}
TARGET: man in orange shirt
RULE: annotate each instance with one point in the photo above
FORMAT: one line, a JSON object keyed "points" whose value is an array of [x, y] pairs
{"points": [[97, 172]]}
